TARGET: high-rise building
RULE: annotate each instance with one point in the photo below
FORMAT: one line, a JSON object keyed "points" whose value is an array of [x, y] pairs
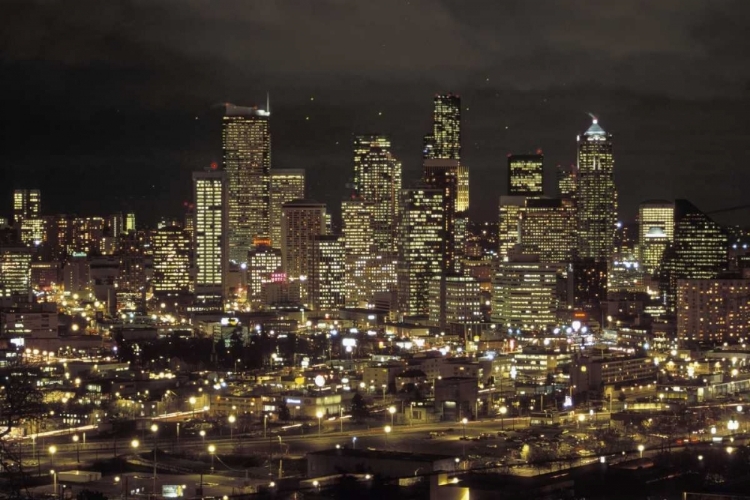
{"points": [[246, 138], [421, 244], [455, 302], [287, 184], [173, 259], [377, 180], [263, 264], [567, 181], [445, 140], [713, 311], [525, 293], [210, 246], [655, 233], [15, 271], [547, 228], [130, 222], [596, 195], [88, 234], [359, 247], [698, 250], [526, 175], [509, 222], [327, 277], [590, 279], [443, 174], [301, 222], [27, 204]]}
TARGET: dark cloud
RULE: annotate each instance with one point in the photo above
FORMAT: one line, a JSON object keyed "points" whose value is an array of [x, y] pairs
{"points": [[114, 99]]}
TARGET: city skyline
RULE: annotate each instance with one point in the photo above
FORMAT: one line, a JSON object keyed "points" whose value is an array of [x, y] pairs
{"points": [[139, 143]]}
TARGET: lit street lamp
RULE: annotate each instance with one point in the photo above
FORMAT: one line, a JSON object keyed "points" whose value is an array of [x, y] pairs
{"points": [[387, 430], [503, 411], [78, 455], [212, 451], [354, 442], [392, 411], [320, 416], [54, 483], [203, 436], [464, 421], [192, 403], [640, 449], [154, 429], [232, 419]]}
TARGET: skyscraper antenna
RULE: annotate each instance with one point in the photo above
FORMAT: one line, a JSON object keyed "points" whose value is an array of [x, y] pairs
{"points": [[268, 103], [593, 117]]}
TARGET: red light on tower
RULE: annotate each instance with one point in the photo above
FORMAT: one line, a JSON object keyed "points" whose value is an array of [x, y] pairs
{"points": [[214, 165], [539, 151]]}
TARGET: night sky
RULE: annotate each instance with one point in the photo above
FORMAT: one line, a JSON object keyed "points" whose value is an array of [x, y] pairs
{"points": [[108, 106]]}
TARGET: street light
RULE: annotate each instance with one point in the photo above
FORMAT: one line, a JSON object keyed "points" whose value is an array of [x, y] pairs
{"points": [[640, 449], [192, 401], [212, 451], [52, 451], [54, 483], [135, 444], [154, 429], [354, 442], [232, 419], [733, 425], [464, 421], [392, 411], [319, 414], [387, 430], [78, 455], [203, 436], [503, 411]]}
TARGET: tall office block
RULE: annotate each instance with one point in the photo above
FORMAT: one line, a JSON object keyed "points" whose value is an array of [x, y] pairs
{"points": [[443, 175], [455, 302], [246, 140], [509, 224], [655, 233], [596, 195], [327, 276], [445, 139], [713, 311], [263, 265], [377, 180], [567, 181], [210, 244], [130, 222], [698, 250], [525, 293], [357, 224], [287, 184], [172, 261], [421, 237], [526, 175], [301, 222], [15, 271], [547, 228], [27, 204]]}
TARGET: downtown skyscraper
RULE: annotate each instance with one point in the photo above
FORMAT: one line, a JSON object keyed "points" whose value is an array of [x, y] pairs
{"points": [[445, 139], [596, 195], [210, 238], [246, 141], [526, 175], [287, 184]]}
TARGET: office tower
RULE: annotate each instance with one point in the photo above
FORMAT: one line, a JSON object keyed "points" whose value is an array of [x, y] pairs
{"points": [[547, 228], [445, 140], [443, 174], [33, 231], [15, 271], [655, 233], [131, 276], [377, 180], [246, 140], [210, 246], [596, 197], [357, 223], [287, 184], [301, 222], [455, 302], [27, 204], [263, 264], [59, 229], [421, 237], [590, 279], [698, 250], [509, 224], [462, 197], [713, 311], [88, 234], [130, 222], [525, 294], [526, 175], [327, 276], [567, 181], [173, 259], [46, 276]]}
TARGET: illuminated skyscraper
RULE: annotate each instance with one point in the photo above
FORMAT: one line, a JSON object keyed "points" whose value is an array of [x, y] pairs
{"points": [[713, 310], [27, 204], [210, 237], [262, 264], [377, 180], [327, 277], [526, 175], [655, 233], [15, 271], [596, 196], [698, 251], [455, 302], [286, 185], [567, 181], [547, 228], [525, 293], [421, 243], [173, 259], [359, 247], [301, 222], [130, 222], [509, 224], [246, 139], [443, 174], [445, 140]]}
